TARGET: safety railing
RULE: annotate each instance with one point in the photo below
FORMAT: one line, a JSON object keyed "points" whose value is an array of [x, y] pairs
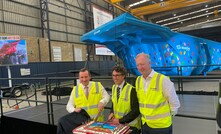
{"points": [[50, 82]]}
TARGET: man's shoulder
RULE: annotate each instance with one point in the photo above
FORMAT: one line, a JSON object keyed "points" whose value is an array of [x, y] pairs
{"points": [[94, 82], [126, 83]]}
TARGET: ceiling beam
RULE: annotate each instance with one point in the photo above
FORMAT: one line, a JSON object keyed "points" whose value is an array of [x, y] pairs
{"points": [[116, 1], [165, 6], [116, 5], [121, 8]]}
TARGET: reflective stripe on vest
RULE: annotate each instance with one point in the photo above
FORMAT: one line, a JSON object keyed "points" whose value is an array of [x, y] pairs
{"points": [[90, 107], [159, 116], [157, 82], [119, 113], [127, 91], [152, 106], [96, 85]]}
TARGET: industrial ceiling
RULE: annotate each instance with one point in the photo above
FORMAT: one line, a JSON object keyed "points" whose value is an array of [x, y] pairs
{"points": [[178, 15]]}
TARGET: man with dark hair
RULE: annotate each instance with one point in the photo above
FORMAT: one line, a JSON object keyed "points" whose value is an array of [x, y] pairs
{"points": [[86, 96], [125, 107]]}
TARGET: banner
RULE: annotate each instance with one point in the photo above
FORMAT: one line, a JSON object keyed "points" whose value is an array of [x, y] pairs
{"points": [[13, 51], [100, 18]]}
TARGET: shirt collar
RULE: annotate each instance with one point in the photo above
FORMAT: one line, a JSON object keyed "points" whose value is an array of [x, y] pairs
{"points": [[151, 74], [89, 85], [121, 85]]}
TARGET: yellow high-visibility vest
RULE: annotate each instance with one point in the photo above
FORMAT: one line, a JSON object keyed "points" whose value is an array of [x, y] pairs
{"points": [[90, 104], [154, 108], [123, 106]]}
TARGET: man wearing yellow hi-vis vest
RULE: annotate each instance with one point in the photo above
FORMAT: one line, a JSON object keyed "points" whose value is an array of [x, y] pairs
{"points": [[86, 96], [125, 109], [157, 98]]}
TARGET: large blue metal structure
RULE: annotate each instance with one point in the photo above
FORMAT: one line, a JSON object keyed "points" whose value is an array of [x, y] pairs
{"points": [[171, 53]]}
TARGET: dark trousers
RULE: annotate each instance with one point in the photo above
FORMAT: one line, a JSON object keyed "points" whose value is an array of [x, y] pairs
{"points": [[67, 123], [147, 130], [134, 130]]}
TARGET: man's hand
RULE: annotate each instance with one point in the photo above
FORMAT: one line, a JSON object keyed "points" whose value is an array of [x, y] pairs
{"points": [[100, 106], [115, 121], [110, 116], [77, 110], [173, 113]]}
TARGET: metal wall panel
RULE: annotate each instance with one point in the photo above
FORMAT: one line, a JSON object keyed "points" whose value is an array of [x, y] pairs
{"points": [[79, 3], [76, 30], [1, 6], [20, 30], [57, 26], [57, 7], [75, 23], [100, 2], [29, 2], [75, 13], [74, 38], [58, 36], [21, 8], [21, 19], [1, 27], [56, 18]]}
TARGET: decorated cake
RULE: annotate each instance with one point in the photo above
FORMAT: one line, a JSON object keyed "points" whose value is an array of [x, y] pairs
{"points": [[101, 128]]}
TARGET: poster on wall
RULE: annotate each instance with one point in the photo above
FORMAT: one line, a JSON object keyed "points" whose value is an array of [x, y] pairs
{"points": [[78, 54], [101, 17], [57, 53], [13, 50], [25, 71]]}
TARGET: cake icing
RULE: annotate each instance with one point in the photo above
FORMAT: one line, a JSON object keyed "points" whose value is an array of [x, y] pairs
{"points": [[101, 128]]}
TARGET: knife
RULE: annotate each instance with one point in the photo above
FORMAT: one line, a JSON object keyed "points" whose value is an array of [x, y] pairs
{"points": [[106, 121], [98, 114]]}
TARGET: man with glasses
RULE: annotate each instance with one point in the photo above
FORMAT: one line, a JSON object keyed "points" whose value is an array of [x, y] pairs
{"points": [[86, 96], [125, 107]]}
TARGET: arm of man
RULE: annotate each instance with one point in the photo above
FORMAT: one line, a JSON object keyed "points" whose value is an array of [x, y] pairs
{"points": [[105, 99], [134, 113], [70, 105], [169, 92], [111, 112]]}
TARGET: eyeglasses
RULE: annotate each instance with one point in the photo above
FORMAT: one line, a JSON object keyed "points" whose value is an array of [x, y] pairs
{"points": [[117, 75]]}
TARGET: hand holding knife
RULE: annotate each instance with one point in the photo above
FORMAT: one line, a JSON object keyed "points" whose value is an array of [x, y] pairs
{"points": [[107, 121]]}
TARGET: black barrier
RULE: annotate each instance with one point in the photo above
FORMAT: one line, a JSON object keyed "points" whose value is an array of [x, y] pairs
{"points": [[218, 112], [11, 125]]}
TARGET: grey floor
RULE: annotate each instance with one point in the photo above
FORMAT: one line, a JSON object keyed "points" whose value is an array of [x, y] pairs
{"points": [[196, 115], [194, 106]]}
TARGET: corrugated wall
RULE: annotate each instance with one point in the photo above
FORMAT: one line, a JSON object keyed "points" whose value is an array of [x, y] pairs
{"points": [[22, 17], [66, 20]]}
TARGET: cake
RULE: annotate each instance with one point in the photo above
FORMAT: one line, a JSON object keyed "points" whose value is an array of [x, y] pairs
{"points": [[101, 128]]}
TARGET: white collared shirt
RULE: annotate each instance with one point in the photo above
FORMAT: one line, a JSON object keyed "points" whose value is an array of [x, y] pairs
{"points": [[70, 105], [169, 91], [121, 86]]}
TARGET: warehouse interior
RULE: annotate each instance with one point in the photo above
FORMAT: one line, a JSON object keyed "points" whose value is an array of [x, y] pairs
{"points": [[47, 25]]}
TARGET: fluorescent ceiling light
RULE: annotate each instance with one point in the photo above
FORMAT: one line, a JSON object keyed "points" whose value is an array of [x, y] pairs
{"points": [[138, 3], [175, 29], [190, 18], [191, 13]]}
